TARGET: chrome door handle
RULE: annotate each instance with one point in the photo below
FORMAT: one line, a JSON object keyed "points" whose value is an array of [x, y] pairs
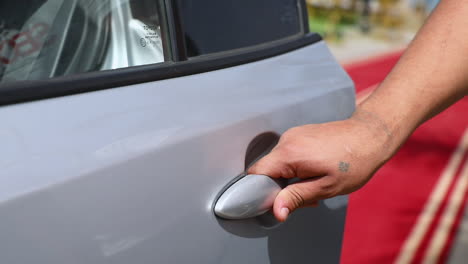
{"points": [[251, 196]]}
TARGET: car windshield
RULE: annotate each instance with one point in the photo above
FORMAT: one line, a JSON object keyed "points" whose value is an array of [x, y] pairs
{"points": [[44, 39]]}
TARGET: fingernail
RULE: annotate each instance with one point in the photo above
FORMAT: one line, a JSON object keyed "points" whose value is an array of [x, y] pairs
{"points": [[284, 212]]}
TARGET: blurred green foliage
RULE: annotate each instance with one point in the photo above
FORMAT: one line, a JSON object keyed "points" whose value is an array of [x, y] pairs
{"points": [[331, 22]]}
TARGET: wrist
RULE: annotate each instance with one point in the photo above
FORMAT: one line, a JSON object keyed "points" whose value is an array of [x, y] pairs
{"points": [[387, 133]]}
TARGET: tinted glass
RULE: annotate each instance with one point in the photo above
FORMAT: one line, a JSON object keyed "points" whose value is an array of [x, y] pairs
{"points": [[41, 39], [221, 25]]}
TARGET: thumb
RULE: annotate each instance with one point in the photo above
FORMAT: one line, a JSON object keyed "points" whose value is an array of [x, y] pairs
{"points": [[274, 165], [301, 194]]}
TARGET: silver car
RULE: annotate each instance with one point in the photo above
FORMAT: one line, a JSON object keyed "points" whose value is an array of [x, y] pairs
{"points": [[125, 124]]}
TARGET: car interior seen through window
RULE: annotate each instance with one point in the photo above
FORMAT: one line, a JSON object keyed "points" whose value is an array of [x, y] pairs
{"points": [[232, 24], [42, 39]]}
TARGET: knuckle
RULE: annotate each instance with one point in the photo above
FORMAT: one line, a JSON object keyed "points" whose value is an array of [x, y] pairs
{"points": [[287, 148], [291, 130], [296, 197], [287, 172], [291, 133]]}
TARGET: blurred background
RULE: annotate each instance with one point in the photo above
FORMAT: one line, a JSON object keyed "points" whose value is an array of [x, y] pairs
{"points": [[355, 28], [388, 220]]}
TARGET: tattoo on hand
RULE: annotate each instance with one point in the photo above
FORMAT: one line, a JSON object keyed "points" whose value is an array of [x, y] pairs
{"points": [[343, 166]]}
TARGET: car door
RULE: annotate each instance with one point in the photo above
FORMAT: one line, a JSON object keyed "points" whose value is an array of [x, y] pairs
{"points": [[122, 121]]}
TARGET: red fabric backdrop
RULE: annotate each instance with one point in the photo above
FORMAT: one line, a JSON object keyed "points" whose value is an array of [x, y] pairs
{"points": [[382, 214]]}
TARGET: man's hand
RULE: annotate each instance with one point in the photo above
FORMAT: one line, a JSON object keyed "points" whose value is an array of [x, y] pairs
{"points": [[330, 159], [340, 157]]}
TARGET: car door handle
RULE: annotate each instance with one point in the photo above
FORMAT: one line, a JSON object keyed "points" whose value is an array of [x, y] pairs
{"points": [[251, 196]]}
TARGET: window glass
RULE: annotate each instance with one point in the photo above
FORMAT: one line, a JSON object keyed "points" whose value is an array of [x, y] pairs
{"points": [[221, 25], [41, 39]]}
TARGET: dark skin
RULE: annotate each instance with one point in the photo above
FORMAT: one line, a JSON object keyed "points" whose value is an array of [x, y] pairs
{"points": [[340, 157]]}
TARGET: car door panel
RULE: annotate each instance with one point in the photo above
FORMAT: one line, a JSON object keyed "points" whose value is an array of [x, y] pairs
{"points": [[129, 175]]}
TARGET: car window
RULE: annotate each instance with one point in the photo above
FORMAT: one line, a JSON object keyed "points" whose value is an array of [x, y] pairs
{"points": [[42, 39], [221, 25]]}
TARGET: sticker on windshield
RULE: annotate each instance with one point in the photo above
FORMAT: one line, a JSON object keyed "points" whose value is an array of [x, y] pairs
{"points": [[151, 36]]}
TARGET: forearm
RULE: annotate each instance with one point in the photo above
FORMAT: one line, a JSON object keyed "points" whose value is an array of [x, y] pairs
{"points": [[430, 76], [338, 158]]}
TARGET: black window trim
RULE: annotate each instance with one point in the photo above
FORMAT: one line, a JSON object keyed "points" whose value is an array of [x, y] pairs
{"points": [[304, 16], [25, 91]]}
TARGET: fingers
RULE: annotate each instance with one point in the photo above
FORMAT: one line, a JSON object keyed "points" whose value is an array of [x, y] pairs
{"points": [[302, 194], [287, 162], [281, 163], [274, 165]]}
